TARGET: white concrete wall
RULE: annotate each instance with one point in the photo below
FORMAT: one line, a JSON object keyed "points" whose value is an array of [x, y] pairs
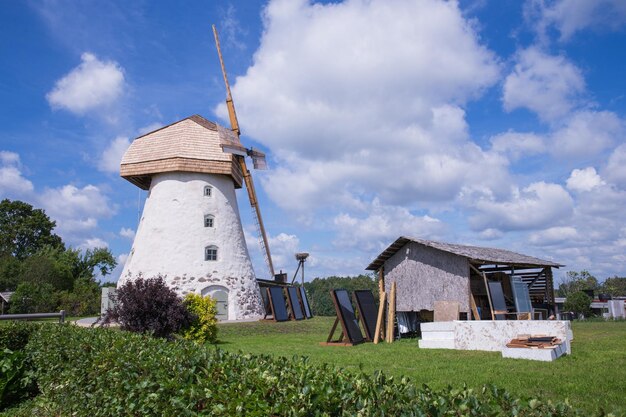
{"points": [[493, 335], [171, 239]]}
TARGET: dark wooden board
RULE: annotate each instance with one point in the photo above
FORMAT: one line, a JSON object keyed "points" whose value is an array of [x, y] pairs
{"points": [[294, 303], [277, 302], [346, 315], [366, 304], [305, 303]]}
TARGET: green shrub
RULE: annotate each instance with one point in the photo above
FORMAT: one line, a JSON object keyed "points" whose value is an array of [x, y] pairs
{"points": [[149, 306], [204, 327], [101, 372], [579, 303], [34, 298], [16, 376], [14, 335]]}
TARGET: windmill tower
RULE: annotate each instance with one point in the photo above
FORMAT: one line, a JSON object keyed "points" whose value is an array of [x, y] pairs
{"points": [[190, 231]]}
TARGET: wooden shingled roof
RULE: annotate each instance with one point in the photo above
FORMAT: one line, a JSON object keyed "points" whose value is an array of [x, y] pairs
{"points": [[475, 254], [192, 144]]}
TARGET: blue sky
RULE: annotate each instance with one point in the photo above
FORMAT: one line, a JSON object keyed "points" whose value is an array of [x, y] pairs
{"points": [[494, 123]]}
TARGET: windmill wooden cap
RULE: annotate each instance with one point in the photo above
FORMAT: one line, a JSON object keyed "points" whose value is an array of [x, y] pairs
{"points": [[193, 144]]}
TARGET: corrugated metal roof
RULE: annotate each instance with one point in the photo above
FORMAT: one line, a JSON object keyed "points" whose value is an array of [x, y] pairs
{"points": [[474, 254]]}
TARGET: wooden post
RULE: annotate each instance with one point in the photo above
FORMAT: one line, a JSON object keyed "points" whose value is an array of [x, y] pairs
{"points": [[392, 313], [380, 318], [473, 307], [493, 317]]}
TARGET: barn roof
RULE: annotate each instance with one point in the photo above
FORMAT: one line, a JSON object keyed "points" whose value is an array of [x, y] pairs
{"points": [[193, 144], [475, 254]]}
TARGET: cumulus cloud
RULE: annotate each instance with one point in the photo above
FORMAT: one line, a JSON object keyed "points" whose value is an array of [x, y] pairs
{"points": [[553, 235], [92, 84], [127, 233], [12, 182], [572, 16], [93, 243], [545, 84], [584, 179], [76, 210], [382, 224], [537, 206], [356, 113], [112, 155], [616, 167], [587, 133], [517, 145]]}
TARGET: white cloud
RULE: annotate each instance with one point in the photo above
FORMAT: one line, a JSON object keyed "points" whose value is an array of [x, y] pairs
{"points": [[357, 114], [92, 84], [537, 206], [150, 128], [112, 155], [127, 233], [381, 225], [76, 210], [283, 248], [616, 167], [584, 179], [572, 16], [553, 235], [93, 243], [545, 84], [587, 133], [490, 234], [12, 182], [517, 145]]}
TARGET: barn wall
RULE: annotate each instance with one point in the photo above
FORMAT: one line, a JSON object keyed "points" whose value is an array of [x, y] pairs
{"points": [[424, 275]]}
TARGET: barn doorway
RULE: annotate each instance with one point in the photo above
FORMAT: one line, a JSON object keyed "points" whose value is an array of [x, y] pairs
{"points": [[219, 294]]}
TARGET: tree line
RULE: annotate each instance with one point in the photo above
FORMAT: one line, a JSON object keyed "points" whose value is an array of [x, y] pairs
{"points": [[44, 274]]}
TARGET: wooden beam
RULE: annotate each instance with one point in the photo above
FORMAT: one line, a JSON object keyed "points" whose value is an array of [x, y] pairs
{"points": [[474, 308], [493, 317], [392, 313], [381, 317]]}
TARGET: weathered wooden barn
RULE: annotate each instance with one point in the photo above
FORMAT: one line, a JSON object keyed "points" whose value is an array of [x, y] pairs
{"points": [[426, 271]]}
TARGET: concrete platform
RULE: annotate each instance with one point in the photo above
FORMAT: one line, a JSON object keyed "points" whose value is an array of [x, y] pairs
{"points": [[493, 335]]}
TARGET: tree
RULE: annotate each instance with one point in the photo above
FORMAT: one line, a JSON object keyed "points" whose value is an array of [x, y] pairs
{"points": [[615, 286], [9, 273], [33, 298], [319, 291], [579, 303], [25, 230], [45, 267], [577, 281]]}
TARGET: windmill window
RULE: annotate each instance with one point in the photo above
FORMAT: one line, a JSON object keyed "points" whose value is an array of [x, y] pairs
{"points": [[208, 220], [210, 253], [208, 191]]}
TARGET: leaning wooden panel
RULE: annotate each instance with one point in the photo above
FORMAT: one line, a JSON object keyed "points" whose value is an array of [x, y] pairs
{"points": [[366, 305], [351, 333], [293, 302]]}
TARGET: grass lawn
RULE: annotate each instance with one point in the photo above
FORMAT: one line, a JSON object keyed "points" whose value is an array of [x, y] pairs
{"points": [[593, 377]]}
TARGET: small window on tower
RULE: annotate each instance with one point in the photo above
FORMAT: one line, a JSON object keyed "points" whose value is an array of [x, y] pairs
{"points": [[208, 220], [208, 191], [210, 253]]}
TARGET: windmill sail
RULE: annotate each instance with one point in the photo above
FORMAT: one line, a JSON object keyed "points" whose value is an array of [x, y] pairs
{"points": [[233, 145]]}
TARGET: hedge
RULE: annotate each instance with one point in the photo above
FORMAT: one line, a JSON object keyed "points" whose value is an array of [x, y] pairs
{"points": [[103, 372]]}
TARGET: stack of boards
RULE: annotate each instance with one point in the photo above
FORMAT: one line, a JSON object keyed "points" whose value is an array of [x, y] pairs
{"points": [[289, 303], [534, 342], [350, 330]]}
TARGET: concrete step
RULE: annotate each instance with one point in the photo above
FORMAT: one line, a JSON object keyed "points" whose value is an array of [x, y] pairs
{"points": [[438, 326], [436, 344], [437, 335]]}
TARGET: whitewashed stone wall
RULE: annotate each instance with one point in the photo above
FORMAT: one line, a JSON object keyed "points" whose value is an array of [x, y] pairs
{"points": [[171, 241]]}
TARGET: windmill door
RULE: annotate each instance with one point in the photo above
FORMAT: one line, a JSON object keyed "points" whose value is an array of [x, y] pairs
{"points": [[221, 297]]}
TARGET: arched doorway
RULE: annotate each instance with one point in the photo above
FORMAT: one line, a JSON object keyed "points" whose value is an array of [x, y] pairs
{"points": [[219, 294]]}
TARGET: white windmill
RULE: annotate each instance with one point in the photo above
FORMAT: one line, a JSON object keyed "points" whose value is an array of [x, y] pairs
{"points": [[190, 231]]}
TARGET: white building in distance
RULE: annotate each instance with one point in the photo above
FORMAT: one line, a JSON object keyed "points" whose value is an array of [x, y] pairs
{"points": [[190, 231]]}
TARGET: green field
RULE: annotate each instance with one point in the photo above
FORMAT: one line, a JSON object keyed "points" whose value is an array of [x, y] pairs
{"points": [[592, 378]]}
